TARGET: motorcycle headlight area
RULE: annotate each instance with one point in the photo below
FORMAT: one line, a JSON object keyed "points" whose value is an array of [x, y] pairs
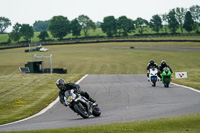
{"points": [[69, 99], [154, 78]]}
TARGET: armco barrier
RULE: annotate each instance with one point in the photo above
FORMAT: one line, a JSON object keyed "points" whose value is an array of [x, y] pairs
{"points": [[100, 41]]}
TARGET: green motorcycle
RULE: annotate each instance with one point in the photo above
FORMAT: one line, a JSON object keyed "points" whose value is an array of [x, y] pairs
{"points": [[166, 76]]}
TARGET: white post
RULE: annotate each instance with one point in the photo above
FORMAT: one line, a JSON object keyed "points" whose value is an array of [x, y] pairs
{"points": [[42, 57], [42, 67], [51, 63], [35, 56]]}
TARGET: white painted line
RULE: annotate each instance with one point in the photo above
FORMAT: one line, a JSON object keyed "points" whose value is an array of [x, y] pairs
{"points": [[190, 88], [45, 109], [81, 79]]}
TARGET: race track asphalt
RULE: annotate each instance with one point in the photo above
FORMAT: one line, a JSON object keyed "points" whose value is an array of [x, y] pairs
{"points": [[121, 98]]}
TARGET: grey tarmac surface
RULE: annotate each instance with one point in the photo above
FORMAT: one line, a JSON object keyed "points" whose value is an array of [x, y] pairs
{"points": [[121, 98]]}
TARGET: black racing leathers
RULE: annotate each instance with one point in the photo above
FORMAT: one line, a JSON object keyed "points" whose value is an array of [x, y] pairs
{"points": [[163, 66], [76, 89], [161, 69], [151, 66]]}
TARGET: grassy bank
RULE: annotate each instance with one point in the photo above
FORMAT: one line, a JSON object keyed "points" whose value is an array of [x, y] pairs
{"points": [[23, 95], [183, 124]]}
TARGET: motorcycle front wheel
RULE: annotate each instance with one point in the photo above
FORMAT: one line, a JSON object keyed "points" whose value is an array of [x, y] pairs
{"points": [[167, 85], [81, 110], [166, 81], [154, 84], [96, 111]]}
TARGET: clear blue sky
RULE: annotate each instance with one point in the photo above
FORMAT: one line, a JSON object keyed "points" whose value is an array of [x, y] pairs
{"points": [[29, 11]]}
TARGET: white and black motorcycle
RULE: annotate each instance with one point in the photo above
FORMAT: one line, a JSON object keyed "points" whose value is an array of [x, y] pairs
{"points": [[81, 105], [153, 76]]}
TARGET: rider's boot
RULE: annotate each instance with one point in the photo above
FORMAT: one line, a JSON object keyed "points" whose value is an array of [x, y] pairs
{"points": [[148, 79], [148, 76], [93, 101], [159, 77]]}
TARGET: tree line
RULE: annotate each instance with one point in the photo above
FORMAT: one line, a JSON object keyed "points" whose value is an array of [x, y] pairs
{"points": [[60, 26]]}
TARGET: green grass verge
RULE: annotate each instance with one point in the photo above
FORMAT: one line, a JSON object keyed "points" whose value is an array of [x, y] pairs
{"points": [[22, 95], [183, 124]]}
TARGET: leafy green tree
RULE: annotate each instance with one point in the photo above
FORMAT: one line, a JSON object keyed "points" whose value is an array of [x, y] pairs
{"points": [[27, 32], [180, 15], [9, 41], [189, 22], [125, 25], [141, 24], [59, 26], [164, 19], [109, 25], [15, 35], [98, 24], [195, 11], [172, 21], [39, 26], [156, 23], [4, 23], [75, 28], [43, 35], [86, 24]]}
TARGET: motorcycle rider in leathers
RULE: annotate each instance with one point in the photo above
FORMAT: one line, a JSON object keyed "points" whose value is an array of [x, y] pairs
{"points": [[163, 65], [68, 86], [151, 64]]}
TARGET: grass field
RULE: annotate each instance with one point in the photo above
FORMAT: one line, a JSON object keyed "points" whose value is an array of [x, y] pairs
{"points": [[22, 95]]}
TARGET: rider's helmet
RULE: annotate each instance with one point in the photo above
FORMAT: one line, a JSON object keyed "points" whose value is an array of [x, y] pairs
{"points": [[60, 83], [163, 63], [151, 62]]}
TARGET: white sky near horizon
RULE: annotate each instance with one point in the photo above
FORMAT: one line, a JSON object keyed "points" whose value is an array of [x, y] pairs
{"points": [[29, 11]]}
